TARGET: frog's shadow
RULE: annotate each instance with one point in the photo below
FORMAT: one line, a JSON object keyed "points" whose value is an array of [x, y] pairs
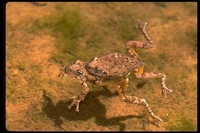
{"points": [[90, 107]]}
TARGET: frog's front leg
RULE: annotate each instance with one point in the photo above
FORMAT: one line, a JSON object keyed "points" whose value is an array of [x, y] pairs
{"points": [[150, 75], [80, 97]]}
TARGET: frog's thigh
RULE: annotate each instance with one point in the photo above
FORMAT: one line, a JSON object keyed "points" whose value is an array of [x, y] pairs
{"points": [[124, 84], [118, 88], [145, 75]]}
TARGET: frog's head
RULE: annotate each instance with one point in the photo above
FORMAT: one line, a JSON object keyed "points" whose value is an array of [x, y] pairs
{"points": [[76, 70]]}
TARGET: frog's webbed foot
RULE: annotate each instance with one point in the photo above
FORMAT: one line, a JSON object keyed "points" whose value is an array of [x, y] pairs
{"points": [[165, 90], [76, 102], [80, 97], [157, 121], [142, 27], [151, 75], [136, 100]]}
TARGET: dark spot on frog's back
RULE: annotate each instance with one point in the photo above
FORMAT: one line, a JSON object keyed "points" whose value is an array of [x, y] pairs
{"points": [[123, 61], [124, 73], [126, 59], [109, 60], [120, 66], [112, 67]]}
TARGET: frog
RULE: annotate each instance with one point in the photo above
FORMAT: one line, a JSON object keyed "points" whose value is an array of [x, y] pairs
{"points": [[116, 67]]}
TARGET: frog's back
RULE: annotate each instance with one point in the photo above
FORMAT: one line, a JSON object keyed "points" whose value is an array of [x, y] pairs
{"points": [[112, 65]]}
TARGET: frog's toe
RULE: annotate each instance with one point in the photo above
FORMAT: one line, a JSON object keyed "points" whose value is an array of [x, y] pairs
{"points": [[166, 91]]}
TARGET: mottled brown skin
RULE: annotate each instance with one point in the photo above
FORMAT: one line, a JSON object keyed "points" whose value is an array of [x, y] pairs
{"points": [[107, 67], [116, 67]]}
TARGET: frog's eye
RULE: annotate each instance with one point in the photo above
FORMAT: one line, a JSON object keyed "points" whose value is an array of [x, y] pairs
{"points": [[98, 69], [79, 72]]}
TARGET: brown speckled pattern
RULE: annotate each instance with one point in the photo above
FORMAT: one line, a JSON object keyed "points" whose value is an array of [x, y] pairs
{"points": [[112, 65]]}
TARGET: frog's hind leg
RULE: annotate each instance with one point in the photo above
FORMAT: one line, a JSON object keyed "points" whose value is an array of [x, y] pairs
{"points": [[80, 97], [130, 45], [121, 87], [150, 75], [136, 100]]}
